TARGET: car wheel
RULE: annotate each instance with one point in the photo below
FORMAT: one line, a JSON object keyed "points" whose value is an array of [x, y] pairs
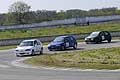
{"points": [[109, 40], [98, 41], [18, 55], [75, 46], [63, 48], [41, 52], [87, 42], [50, 50], [32, 53]]}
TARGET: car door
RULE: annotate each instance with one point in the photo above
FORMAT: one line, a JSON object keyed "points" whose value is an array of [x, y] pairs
{"points": [[67, 42], [107, 35], [39, 46], [36, 46], [102, 35], [72, 41]]}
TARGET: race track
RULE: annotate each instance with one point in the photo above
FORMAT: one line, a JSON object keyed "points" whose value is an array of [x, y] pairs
{"points": [[8, 71]]}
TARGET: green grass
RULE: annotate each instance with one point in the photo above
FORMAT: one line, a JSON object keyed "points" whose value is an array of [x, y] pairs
{"points": [[7, 47], [8, 34], [91, 59]]}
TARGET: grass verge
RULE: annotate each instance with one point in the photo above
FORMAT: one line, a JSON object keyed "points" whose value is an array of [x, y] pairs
{"points": [[7, 47], [91, 59], [9, 34]]}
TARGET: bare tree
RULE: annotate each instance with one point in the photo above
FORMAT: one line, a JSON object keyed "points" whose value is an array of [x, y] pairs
{"points": [[19, 9]]}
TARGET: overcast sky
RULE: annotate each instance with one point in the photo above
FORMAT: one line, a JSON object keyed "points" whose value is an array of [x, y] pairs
{"points": [[61, 4]]}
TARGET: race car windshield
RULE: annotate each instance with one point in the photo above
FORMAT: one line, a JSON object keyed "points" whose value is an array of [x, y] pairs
{"points": [[27, 43], [59, 39], [94, 34]]}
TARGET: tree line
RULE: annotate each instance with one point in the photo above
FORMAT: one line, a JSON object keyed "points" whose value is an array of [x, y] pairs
{"points": [[19, 13]]}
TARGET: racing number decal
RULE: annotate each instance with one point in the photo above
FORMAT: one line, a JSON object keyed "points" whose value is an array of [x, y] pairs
{"points": [[67, 44], [103, 37]]}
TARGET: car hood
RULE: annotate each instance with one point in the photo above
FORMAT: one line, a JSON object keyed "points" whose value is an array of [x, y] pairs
{"points": [[90, 37], [24, 47], [55, 43]]}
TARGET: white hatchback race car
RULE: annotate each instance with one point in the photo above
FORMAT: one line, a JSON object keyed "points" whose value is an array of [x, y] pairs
{"points": [[29, 47]]}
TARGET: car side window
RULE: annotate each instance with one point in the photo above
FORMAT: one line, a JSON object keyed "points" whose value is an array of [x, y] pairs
{"points": [[67, 39], [72, 39], [35, 43], [102, 35], [38, 43], [106, 33]]}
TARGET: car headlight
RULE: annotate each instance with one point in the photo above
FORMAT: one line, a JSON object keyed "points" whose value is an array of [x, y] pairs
{"points": [[28, 50], [48, 45], [85, 39]]}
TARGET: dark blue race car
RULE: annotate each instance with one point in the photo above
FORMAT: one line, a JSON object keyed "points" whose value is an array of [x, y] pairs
{"points": [[63, 42]]}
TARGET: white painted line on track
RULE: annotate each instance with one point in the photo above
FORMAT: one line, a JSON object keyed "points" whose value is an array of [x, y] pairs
{"points": [[4, 66], [19, 63]]}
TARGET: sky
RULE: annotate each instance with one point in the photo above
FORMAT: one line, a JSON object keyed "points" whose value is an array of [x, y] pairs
{"points": [[61, 4]]}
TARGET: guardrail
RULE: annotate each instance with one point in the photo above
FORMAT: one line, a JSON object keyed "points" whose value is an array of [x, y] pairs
{"points": [[6, 42]]}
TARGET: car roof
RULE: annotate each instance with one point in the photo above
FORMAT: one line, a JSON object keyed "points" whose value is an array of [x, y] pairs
{"points": [[29, 40], [65, 36], [101, 31], [97, 31], [62, 36]]}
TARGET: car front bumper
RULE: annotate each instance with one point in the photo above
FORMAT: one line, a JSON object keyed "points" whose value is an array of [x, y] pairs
{"points": [[54, 47], [23, 53], [89, 41]]}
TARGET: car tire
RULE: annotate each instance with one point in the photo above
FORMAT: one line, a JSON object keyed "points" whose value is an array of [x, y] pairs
{"points": [[41, 52], [109, 40], [75, 46], [63, 48], [18, 55], [50, 50], [87, 42], [98, 41], [33, 52]]}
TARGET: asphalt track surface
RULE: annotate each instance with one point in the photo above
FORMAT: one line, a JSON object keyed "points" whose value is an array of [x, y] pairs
{"points": [[9, 71]]}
